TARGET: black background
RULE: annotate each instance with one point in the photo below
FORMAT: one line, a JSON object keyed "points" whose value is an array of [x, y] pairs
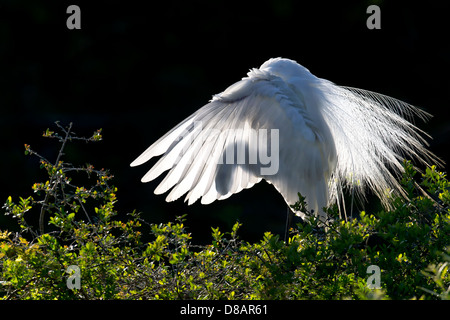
{"points": [[137, 68]]}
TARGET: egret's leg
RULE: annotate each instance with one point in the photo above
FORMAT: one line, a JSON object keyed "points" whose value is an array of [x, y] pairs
{"points": [[351, 206], [289, 217]]}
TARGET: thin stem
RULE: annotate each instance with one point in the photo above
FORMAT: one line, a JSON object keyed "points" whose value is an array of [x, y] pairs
{"points": [[52, 178]]}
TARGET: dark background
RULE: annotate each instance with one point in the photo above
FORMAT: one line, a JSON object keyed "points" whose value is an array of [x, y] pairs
{"points": [[137, 68]]}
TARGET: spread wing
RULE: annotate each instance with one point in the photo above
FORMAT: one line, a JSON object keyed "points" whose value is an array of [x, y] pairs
{"points": [[257, 128]]}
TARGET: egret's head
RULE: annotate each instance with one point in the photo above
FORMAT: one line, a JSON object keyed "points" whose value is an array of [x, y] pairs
{"points": [[285, 68]]}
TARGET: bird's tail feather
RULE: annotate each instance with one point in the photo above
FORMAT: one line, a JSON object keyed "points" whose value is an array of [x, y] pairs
{"points": [[372, 135]]}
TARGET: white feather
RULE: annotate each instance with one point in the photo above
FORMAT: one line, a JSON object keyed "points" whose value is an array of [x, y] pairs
{"points": [[329, 137]]}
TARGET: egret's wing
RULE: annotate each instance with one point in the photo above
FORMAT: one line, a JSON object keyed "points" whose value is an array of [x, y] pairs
{"points": [[257, 128]]}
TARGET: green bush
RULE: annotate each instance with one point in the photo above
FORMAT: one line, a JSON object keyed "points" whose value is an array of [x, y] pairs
{"points": [[78, 226]]}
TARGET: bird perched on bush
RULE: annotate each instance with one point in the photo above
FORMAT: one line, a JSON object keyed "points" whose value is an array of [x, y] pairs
{"points": [[299, 132]]}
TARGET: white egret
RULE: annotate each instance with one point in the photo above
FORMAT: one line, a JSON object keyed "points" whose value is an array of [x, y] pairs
{"points": [[318, 136]]}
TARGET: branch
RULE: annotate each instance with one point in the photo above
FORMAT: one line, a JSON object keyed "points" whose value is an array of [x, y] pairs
{"points": [[52, 178]]}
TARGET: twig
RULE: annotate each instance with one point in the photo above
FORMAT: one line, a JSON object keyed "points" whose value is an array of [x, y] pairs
{"points": [[60, 153]]}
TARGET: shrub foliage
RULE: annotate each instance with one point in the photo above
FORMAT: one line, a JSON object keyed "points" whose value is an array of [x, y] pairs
{"points": [[78, 225]]}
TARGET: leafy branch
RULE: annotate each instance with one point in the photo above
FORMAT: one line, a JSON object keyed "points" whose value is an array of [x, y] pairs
{"points": [[55, 187]]}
